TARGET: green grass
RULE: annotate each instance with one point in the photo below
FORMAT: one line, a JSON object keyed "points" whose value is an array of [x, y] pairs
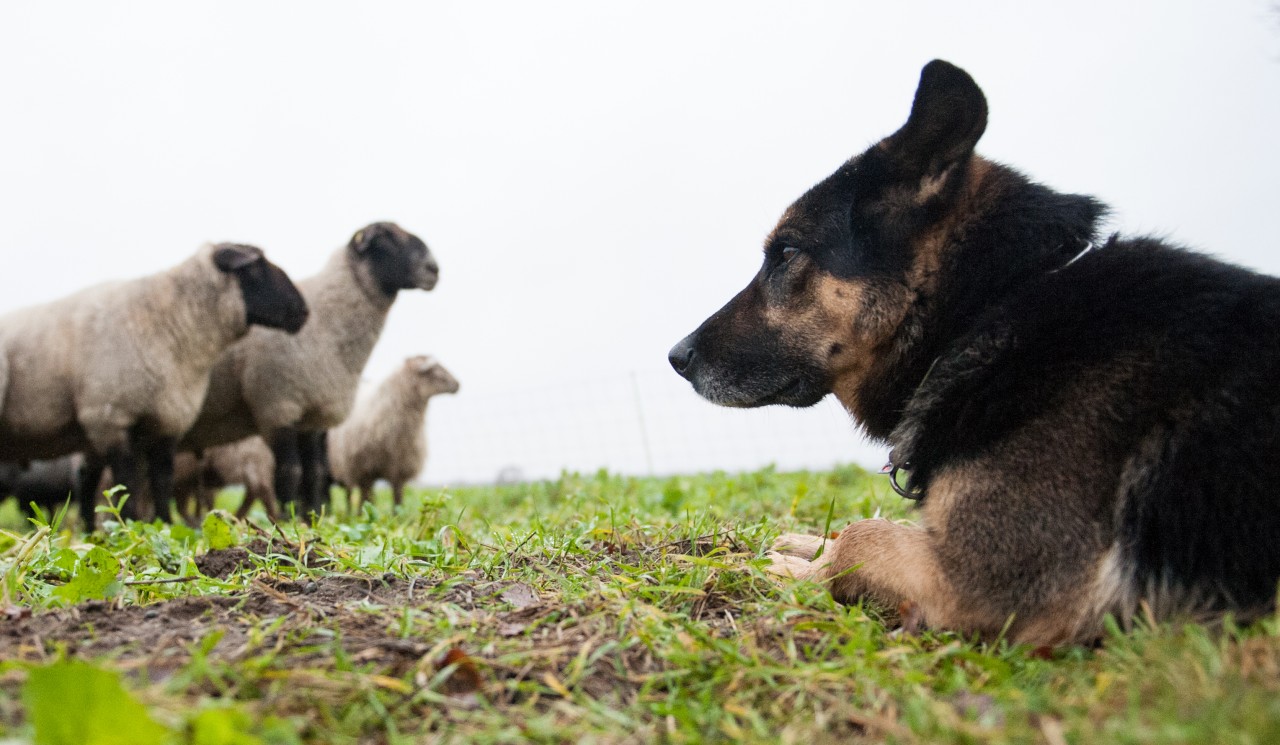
{"points": [[594, 608]]}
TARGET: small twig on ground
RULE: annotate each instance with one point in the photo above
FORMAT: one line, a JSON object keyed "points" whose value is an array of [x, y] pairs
{"points": [[296, 548], [170, 580], [730, 533], [275, 594], [527, 538], [258, 529]]}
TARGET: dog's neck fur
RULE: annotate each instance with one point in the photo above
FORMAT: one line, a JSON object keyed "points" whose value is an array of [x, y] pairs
{"points": [[1008, 231]]}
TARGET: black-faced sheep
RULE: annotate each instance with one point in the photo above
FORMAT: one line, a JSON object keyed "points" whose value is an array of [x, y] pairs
{"points": [[384, 437], [119, 370], [290, 389]]}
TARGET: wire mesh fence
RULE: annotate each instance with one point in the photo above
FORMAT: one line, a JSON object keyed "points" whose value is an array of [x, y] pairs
{"points": [[642, 423]]}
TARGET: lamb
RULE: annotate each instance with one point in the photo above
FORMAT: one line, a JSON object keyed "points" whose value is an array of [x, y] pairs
{"points": [[248, 462], [290, 389], [384, 437], [118, 370]]}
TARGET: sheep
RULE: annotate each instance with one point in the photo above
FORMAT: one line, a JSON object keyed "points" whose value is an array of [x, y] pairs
{"points": [[4, 379], [46, 483], [119, 370], [384, 438], [248, 462], [290, 389]]}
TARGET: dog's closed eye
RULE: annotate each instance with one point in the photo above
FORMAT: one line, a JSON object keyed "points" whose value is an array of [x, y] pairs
{"points": [[789, 253]]}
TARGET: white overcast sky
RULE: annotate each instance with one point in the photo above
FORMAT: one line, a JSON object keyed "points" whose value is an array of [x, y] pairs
{"points": [[594, 178]]}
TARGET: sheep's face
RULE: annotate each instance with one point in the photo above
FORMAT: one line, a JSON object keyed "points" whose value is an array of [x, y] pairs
{"points": [[270, 298], [431, 376], [397, 259]]}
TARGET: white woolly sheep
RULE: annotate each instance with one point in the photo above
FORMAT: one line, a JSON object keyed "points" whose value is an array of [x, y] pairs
{"points": [[384, 437], [118, 370], [290, 389]]}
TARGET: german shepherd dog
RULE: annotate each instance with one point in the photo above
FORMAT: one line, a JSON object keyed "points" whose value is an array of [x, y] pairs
{"points": [[1089, 431]]}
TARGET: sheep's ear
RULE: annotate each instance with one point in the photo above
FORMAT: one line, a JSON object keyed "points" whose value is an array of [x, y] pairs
{"points": [[361, 240], [948, 117], [232, 256], [421, 363], [365, 237]]}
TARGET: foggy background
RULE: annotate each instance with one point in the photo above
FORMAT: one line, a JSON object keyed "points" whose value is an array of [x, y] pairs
{"points": [[595, 179]]}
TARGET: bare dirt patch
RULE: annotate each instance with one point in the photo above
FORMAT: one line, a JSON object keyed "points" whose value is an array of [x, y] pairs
{"points": [[221, 563], [288, 639], [359, 607]]}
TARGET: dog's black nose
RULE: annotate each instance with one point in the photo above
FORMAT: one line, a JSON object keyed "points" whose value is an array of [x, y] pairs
{"points": [[681, 355]]}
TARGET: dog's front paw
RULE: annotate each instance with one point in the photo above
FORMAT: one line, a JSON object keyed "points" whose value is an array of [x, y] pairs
{"points": [[790, 567], [797, 544]]}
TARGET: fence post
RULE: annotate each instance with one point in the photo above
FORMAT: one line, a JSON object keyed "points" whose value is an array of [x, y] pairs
{"points": [[644, 431]]}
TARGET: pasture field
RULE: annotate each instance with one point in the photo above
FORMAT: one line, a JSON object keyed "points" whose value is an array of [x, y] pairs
{"points": [[591, 609]]}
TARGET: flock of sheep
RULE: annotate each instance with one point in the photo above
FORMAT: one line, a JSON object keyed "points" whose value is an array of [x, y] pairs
{"points": [[217, 371]]}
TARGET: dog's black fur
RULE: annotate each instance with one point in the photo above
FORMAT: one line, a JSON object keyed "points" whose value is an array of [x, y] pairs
{"points": [[1091, 430]]}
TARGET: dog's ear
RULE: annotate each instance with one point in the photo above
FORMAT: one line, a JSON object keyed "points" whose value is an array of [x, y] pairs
{"points": [[948, 116]]}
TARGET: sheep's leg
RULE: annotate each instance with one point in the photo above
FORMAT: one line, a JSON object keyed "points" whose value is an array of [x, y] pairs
{"points": [[311, 457], [90, 474], [259, 491], [268, 499], [186, 504], [246, 504], [365, 490], [397, 493], [205, 498], [159, 454], [284, 446], [124, 472], [327, 481], [196, 511], [193, 510]]}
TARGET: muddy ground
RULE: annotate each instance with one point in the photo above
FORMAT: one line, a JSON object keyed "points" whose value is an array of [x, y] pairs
{"points": [[383, 625]]}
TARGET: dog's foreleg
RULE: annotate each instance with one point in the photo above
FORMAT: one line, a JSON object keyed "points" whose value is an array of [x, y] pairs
{"points": [[798, 544], [877, 559]]}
